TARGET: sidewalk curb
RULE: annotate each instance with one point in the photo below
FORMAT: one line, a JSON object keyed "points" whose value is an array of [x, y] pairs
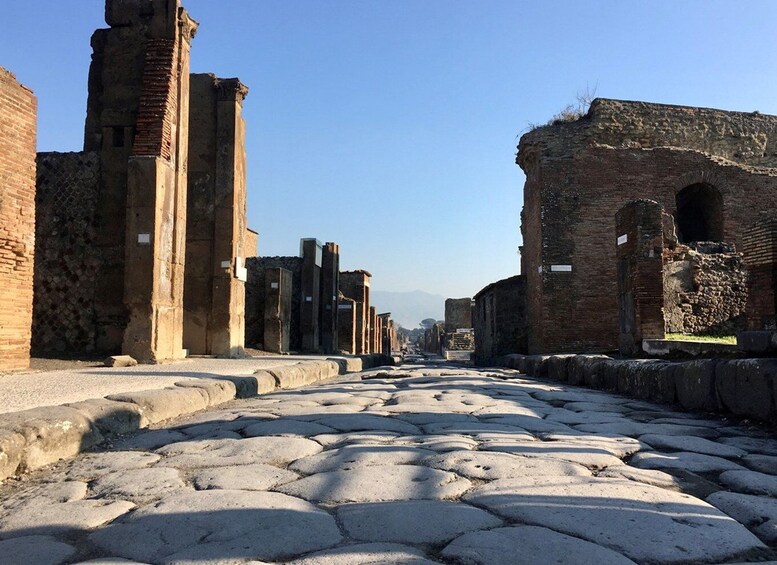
{"points": [[33, 438]]}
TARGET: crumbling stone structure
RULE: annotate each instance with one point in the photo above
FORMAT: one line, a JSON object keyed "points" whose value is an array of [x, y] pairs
{"points": [[214, 283], [346, 325], [760, 253], [330, 289], [500, 320], [311, 251], [259, 313], [18, 134], [458, 314], [136, 151], [708, 168], [356, 286], [277, 310]]}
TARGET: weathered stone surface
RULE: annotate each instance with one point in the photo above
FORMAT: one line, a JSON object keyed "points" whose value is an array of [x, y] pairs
{"points": [[695, 462], [528, 545], [761, 463], [120, 361], [159, 405], [367, 554], [356, 456], [695, 385], [151, 439], [348, 438], [627, 517], [620, 446], [217, 390], [11, 452], [225, 452], [40, 550], [48, 517], [415, 521], [592, 456], [109, 416], [690, 443], [259, 476], [528, 423], [286, 427], [439, 443], [490, 466], [472, 428], [92, 465], [744, 386], [750, 482], [361, 422], [222, 524], [138, 485], [757, 512], [378, 483], [647, 476], [766, 446], [636, 429]]}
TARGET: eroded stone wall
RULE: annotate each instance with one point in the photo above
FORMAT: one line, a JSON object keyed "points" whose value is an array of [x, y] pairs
{"points": [[458, 314], [500, 319], [255, 298]]}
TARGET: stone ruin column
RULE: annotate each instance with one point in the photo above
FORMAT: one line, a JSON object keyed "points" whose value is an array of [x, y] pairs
{"points": [[330, 284], [277, 310], [346, 325], [356, 286], [311, 252], [640, 245]]}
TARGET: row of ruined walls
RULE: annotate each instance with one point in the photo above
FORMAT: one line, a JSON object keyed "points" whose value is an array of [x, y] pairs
{"points": [[255, 299]]}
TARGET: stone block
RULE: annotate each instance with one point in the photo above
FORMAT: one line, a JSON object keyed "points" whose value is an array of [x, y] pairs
{"points": [[261, 382], [218, 390], [695, 385], [745, 387], [120, 361], [579, 365], [288, 376], [648, 380], [11, 452], [158, 405], [536, 366], [354, 364], [558, 367], [109, 416], [757, 342], [50, 434], [608, 373]]}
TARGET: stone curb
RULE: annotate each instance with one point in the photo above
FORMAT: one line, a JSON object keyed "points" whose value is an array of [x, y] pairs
{"points": [[33, 438], [744, 387]]}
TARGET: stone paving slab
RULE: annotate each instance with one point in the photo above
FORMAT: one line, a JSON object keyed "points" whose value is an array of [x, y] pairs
{"points": [[457, 478]]}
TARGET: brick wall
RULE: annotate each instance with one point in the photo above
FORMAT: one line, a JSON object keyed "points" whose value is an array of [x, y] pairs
{"points": [[500, 319], [760, 254], [66, 258], [458, 314], [580, 173], [18, 111]]}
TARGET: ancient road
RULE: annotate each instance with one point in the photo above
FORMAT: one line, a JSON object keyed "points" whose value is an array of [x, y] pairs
{"points": [[410, 465]]}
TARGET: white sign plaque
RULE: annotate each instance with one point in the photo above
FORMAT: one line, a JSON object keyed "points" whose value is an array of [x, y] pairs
{"points": [[561, 268], [144, 238], [623, 239]]}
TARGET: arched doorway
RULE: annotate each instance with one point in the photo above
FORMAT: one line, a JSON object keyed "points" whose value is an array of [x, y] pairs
{"points": [[699, 213]]}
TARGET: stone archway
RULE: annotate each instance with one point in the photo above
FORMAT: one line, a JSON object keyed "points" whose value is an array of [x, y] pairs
{"points": [[699, 214]]}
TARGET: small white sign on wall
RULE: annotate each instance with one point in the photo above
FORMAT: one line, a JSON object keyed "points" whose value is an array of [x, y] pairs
{"points": [[623, 239], [241, 273], [144, 238], [539, 269], [274, 285], [226, 264], [561, 268], [308, 299], [344, 306]]}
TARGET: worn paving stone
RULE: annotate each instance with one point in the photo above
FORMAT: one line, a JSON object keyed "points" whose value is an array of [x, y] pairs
{"points": [[46, 517], [138, 485], [205, 525], [695, 462], [761, 463], [620, 446], [356, 456], [366, 422], [647, 476], [569, 417], [348, 438], [528, 423], [757, 512], [636, 429], [415, 521], [151, 439], [630, 518], [258, 476], [750, 482], [422, 417], [591, 456], [472, 428], [596, 407], [529, 545], [439, 443], [36, 549], [752, 444], [367, 554], [691, 443], [497, 465], [225, 452], [286, 427], [93, 465], [378, 484]]}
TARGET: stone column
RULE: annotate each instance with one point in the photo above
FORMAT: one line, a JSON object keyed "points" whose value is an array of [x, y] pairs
{"points": [[346, 325], [277, 310], [330, 284], [640, 246], [312, 255]]}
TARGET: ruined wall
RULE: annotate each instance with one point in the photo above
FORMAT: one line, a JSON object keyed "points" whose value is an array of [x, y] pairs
{"points": [[500, 319], [66, 258], [346, 325], [255, 298], [579, 173], [277, 310], [311, 251], [458, 314], [705, 290], [330, 288], [760, 254], [356, 286], [214, 294], [18, 111]]}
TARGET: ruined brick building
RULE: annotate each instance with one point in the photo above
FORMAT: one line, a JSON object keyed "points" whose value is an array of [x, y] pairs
{"points": [[709, 169]]}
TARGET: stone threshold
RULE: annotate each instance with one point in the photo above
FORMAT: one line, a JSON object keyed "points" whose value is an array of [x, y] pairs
{"points": [[33, 438]]}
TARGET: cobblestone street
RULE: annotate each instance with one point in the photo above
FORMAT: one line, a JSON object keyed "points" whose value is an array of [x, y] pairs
{"points": [[412, 464]]}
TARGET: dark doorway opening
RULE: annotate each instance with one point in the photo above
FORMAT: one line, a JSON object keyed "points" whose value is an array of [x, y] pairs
{"points": [[699, 213]]}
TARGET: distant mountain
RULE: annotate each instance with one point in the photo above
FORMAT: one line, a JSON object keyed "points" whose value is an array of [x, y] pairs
{"points": [[409, 308]]}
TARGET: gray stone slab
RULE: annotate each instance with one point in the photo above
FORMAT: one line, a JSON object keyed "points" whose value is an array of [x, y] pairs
{"points": [[591, 456], [242, 477], [414, 521], [636, 429], [422, 417], [596, 407], [757, 512], [37, 550], [765, 446], [647, 476], [92, 465], [691, 443], [572, 418], [225, 452], [140, 486], [378, 484], [750, 482], [220, 524], [684, 460], [366, 422], [46, 517], [528, 423], [286, 427], [472, 428], [439, 443], [348, 438], [496, 465], [356, 456], [529, 545], [367, 554], [620, 446], [630, 518], [151, 439], [761, 463]]}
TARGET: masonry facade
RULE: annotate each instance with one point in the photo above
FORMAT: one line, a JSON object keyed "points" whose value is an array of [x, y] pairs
{"points": [[18, 113], [709, 169], [500, 319]]}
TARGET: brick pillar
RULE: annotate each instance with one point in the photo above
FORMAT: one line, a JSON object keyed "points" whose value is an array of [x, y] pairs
{"points": [[346, 325], [312, 256], [759, 246], [18, 111], [330, 284], [156, 194], [356, 286], [277, 310], [640, 245]]}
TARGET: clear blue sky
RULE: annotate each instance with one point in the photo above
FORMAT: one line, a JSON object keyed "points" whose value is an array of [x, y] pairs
{"points": [[390, 126]]}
